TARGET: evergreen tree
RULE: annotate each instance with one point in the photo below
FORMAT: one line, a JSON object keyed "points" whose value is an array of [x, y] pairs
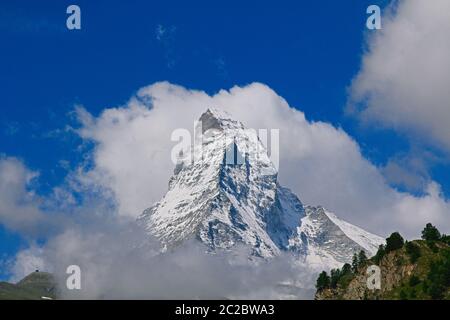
{"points": [[413, 293], [323, 281], [413, 251], [445, 238], [432, 246], [438, 278], [335, 275], [346, 269], [414, 281], [431, 233], [435, 291], [394, 242], [403, 295], [355, 263], [362, 258], [380, 253]]}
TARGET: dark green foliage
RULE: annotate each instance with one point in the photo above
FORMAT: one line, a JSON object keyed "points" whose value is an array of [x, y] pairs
{"points": [[399, 261], [425, 286], [355, 263], [362, 258], [435, 249], [380, 254], [429, 277], [338, 277], [446, 239], [432, 246], [414, 281], [358, 260], [431, 233], [438, 278], [393, 242], [335, 275], [346, 276], [413, 293], [436, 291], [403, 295], [323, 281], [413, 251], [346, 269]]}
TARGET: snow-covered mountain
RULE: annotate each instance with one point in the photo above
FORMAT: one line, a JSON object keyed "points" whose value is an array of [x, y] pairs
{"points": [[224, 192]]}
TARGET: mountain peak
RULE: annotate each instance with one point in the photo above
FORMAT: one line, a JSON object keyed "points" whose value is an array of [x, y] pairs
{"points": [[225, 205], [209, 120], [217, 113], [218, 119]]}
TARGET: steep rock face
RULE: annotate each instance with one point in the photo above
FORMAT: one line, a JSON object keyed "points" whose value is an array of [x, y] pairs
{"points": [[225, 192], [331, 241], [404, 274], [396, 270]]}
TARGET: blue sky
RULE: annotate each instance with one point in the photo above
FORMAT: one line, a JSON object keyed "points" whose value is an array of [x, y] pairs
{"points": [[307, 51]]}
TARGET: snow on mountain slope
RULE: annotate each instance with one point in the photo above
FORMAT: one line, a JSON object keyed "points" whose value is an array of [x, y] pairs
{"points": [[217, 202], [330, 242], [368, 241], [224, 192]]}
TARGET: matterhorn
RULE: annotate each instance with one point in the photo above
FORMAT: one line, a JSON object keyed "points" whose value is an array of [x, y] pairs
{"points": [[224, 192]]}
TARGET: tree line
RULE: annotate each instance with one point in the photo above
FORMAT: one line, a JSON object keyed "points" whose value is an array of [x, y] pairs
{"points": [[436, 282]]}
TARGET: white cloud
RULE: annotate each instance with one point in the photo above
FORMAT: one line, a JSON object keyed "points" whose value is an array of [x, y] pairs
{"points": [[28, 261], [321, 163], [409, 170], [404, 78], [131, 164], [19, 206], [114, 267]]}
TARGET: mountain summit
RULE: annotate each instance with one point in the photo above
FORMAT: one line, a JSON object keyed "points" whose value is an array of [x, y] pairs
{"points": [[225, 192]]}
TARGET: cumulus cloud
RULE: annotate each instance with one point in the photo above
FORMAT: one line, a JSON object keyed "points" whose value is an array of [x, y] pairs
{"points": [[120, 262], [23, 210], [321, 163], [409, 171], [19, 205], [404, 78], [402, 84], [27, 261], [128, 169]]}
